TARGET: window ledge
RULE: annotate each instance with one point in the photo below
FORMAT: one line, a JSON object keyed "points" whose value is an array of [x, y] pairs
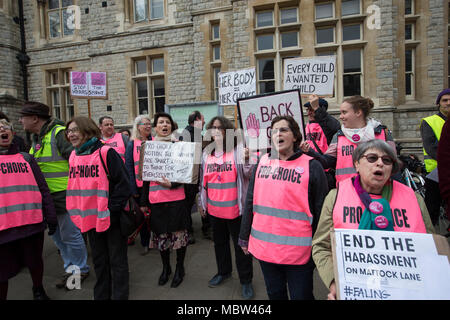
{"points": [[325, 22], [354, 43], [264, 30], [326, 46], [293, 50], [411, 17], [353, 18], [411, 43]]}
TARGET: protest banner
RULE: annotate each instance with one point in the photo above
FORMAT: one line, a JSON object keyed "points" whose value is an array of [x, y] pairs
{"points": [[236, 84], [256, 114], [383, 265], [88, 85], [178, 162], [310, 75]]}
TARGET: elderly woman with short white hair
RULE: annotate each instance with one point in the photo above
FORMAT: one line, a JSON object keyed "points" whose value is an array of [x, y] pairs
{"points": [[371, 201], [141, 132]]}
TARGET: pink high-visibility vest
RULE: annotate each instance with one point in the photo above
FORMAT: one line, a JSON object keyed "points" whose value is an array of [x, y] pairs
{"points": [[282, 221], [116, 142], [344, 162], [314, 132], [348, 208], [88, 191], [220, 180], [20, 197], [136, 156], [158, 193]]}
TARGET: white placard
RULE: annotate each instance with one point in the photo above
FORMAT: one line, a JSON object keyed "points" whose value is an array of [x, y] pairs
{"points": [[382, 265], [257, 113], [92, 85], [175, 161], [310, 75], [236, 84]]}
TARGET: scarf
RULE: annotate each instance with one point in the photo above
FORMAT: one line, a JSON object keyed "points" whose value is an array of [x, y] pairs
{"points": [[364, 134], [86, 147], [378, 214], [167, 139]]}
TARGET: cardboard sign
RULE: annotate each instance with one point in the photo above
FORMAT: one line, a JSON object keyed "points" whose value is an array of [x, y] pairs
{"points": [[310, 75], [88, 85], [178, 162], [236, 84], [256, 114], [382, 265]]}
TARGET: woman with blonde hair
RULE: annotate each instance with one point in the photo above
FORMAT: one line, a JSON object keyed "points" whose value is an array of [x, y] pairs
{"points": [[141, 132]]}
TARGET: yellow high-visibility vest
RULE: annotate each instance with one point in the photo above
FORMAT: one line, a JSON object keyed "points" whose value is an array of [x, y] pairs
{"points": [[54, 167], [436, 123]]}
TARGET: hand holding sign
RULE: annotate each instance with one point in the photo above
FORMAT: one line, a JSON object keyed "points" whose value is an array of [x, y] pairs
{"points": [[314, 101], [252, 126]]}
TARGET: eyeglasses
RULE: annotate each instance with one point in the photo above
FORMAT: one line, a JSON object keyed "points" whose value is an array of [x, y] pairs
{"points": [[372, 158], [281, 130], [145, 124], [5, 128], [73, 130]]}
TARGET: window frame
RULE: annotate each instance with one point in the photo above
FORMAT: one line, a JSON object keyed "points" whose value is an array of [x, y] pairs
{"points": [[352, 14], [333, 10], [360, 73], [150, 77], [412, 72], [148, 12], [61, 10], [62, 88]]}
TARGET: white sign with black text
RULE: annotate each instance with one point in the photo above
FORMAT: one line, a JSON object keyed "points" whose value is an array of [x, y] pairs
{"points": [[236, 84], [175, 161], [382, 265]]}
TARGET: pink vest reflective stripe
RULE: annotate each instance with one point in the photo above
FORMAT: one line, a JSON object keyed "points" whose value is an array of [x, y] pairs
{"points": [[344, 162], [281, 231], [20, 197], [116, 142], [88, 191], [158, 193], [314, 132], [406, 213], [136, 155], [220, 179]]}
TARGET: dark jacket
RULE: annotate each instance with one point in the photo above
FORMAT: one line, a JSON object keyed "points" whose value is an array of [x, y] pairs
{"points": [[429, 139], [443, 160], [64, 146], [329, 124], [317, 191], [48, 210]]}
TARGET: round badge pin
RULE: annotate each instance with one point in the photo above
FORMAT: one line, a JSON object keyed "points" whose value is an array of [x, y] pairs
{"points": [[356, 137], [38, 146], [381, 222], [376, 207], [299, 170], [219, 178]]}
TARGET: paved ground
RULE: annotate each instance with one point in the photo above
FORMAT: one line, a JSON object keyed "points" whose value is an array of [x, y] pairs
{"points": [[200, 266]]}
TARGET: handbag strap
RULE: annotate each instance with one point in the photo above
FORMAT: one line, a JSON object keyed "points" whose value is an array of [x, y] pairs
{"points": [[103, 162], [317, 147]]}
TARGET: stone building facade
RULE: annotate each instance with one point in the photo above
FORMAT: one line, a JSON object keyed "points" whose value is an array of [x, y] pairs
{"points": [[158, 52]]}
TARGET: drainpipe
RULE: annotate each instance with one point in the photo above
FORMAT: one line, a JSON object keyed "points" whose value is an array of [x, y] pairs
{"points": [[23, 58]]}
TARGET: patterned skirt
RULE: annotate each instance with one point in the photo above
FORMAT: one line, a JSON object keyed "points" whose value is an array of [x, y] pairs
{"points": [[171, 240]]}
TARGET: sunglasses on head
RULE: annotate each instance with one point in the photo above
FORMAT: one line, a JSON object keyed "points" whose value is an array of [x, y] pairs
{"points": [[372, 157]]}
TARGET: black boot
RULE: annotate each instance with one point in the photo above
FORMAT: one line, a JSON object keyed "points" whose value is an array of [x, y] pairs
{"points": [[179, 271], [39, 294], [164, 277]]}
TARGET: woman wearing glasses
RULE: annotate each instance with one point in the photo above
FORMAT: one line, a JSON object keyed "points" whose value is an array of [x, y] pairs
{"points": [[141, 132], [282, 209], [356, 128], [371, 200], [224, 177], [97, 193]]}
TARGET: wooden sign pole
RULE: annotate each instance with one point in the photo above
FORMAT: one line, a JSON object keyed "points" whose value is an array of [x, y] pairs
{"points": [[89, 108]]}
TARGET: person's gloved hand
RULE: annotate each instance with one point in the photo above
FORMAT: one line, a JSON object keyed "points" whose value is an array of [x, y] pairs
{"points": [[52, 228]]}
